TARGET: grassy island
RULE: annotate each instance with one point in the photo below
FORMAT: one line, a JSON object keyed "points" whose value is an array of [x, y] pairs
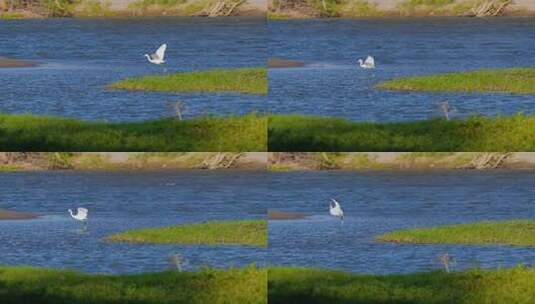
{"points": [[243, 80], [205, 134], [47, 286], [514, 81], [514, 232], [244, 232]]}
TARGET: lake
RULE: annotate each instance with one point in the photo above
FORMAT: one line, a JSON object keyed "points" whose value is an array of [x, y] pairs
{"points": [[80, 57], [378, 202], [331, 84], [120, 201]]}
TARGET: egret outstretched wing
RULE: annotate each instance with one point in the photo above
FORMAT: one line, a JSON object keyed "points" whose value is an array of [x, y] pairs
{"points": [[82, 212], [160, 52], [370, 61], [336, 209]]}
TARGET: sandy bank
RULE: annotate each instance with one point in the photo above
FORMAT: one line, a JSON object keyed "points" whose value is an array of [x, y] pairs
{"points": [[14, 215], [284, 63], [281, 215], [15, 161], [281, 161], [15, 63], [294, 9]]}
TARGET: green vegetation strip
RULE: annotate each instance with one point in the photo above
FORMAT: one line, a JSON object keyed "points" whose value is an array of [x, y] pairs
{"points": [[244, 80], [246, 232], [40, 133], [515, 232], [46, 286], [287, 133], [517, 81], [311, 286]]}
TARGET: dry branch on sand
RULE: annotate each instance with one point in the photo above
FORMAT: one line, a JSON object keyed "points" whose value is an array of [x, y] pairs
{"points": [[221, 8], [220, 160], [489, 8], [487, 161]]}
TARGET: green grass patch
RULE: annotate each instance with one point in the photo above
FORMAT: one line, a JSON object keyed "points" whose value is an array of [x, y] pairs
{"points": [[287, 133], [245, 232], [47, 286], [11, 16], [205, 134], [515, 81], [314, 286], [244, 80], [514, 232]]}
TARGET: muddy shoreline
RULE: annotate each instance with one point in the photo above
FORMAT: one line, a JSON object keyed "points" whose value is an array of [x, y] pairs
{"points": [[16, 63], [15, 215], [275, 63], [282, 215]]}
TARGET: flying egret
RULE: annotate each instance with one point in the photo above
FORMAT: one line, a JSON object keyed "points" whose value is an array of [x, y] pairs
{"points": [[335, 209], [81, 215], [369, 63], [158, 56]]}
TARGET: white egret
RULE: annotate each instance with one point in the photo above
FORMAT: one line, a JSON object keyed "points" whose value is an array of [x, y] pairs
{"points": [[158, 56], [81, 214], [369, 63], [335, 209]]}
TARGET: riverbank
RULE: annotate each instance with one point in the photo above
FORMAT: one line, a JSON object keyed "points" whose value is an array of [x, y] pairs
{"points": [[132, 8], [299, 133], [37, 161], [311, 161], [30, 133], [476, 286], [49, 286], [293, 9], [240, 232]]}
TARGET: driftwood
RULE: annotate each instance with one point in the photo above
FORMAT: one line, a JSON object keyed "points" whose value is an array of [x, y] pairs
{"points": [[220, 160], [178, 108], [487, 161], [489, 8], [221, 8]]}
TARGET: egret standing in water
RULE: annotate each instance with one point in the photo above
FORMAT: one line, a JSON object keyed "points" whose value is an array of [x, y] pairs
{"points": [[369, 63], [158, 56], [81, 215], [335, 209]]}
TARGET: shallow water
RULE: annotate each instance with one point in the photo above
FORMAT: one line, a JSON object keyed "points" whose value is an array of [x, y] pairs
{"points": [[120, 201], [378, 202], [331, 84], [80, 57]]}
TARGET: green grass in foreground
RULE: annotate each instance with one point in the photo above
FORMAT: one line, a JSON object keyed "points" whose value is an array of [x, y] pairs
{"points": [[42, 133], [244, 232], [312, 286], [244, 80], [46, 286], [518, 81], [288, 133], [514, 232]]}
